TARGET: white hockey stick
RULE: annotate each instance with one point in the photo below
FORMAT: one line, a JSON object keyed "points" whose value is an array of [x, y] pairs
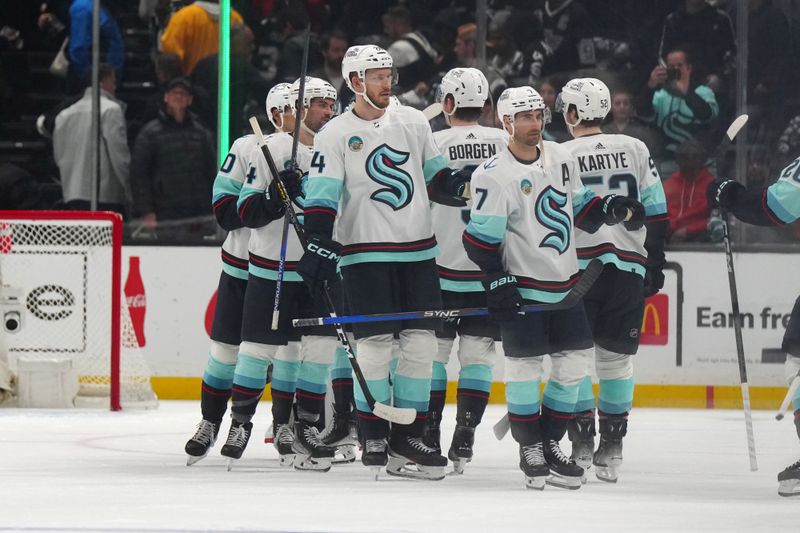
{"points": [[502, 427], [432, 111], [788, 398]]}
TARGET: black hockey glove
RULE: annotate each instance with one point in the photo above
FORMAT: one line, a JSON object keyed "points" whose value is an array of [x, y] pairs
{"points": [[722, 193], [653, 280], [318, 263], [619, 208], [502, 296], [292, 182], [447, 187]]}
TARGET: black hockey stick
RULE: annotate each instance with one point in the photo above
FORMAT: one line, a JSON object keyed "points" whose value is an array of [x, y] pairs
{"points": [[299, 110], [398, 415], [573, 297], [730, 135]]}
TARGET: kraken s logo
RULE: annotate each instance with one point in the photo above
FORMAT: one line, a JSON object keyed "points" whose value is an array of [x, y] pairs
{"points": [[549, 212], [383, 166]]}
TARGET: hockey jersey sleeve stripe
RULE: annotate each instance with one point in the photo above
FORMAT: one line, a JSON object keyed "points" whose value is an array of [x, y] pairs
{"points": [[488, 228], [225, 186], [654, 200], [245, 194], [432, 166], [783, 200], [322, 191], [585, 209], [580, 201]]}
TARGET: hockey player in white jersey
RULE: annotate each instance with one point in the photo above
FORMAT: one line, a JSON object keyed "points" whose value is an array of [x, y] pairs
{"points": [[226, 328], [369, 173], [775, 205], [633, 260], [525, 202], [301, 359], [463, 93]]}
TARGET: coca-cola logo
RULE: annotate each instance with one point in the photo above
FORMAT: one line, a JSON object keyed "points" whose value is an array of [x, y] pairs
{"points": [[138, 300]]}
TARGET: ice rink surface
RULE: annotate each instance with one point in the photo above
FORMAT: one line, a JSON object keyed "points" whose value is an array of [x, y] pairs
{"points": [[685, 470]]}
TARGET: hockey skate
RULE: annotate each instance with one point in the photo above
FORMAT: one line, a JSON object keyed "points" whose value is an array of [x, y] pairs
{"points": [[203, 440], [533, 465], [789, 480], [238, 436], [564, 473], [410, 457], [581, 433], [342, 435], [608, 459], [284, 441], [312, 454], [461, 448], [375, 455], [433, 433]]}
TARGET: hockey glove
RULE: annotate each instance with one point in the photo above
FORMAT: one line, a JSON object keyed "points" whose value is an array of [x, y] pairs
{"points": [[318, 263], [291, 180], [447, 187], [623, 209], [722, 193], [653, 281], [502, 296]]}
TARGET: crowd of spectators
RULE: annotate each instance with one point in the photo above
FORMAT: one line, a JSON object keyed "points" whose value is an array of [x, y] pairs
{"points": [[671, 66]]}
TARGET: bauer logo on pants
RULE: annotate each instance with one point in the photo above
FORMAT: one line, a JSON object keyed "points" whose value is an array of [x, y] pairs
{"points": [[655, 322]]}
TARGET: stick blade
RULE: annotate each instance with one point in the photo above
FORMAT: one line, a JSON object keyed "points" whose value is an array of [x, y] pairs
{"points": [[502, 427], [589, 276], [737, 124], [397, 415], [432, 111]]}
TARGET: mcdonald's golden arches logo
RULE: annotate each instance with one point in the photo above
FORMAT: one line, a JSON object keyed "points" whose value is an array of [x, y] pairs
{"points": [[655, 322]]}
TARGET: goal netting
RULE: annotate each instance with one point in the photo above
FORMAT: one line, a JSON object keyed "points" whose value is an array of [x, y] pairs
{"points": [[63, 270]]}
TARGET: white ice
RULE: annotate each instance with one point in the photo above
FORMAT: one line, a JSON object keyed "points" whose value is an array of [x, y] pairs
{"points": [[685, 470]]}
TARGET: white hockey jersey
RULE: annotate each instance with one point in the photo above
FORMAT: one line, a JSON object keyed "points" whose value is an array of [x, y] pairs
{"points": [[265, 241], [462, 147], [230, 179], [618, 164], [527, 211], [372, 175]]}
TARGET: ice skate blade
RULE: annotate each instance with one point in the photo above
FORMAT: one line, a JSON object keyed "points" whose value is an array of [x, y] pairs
{"points": [[312, 464], [401, 467], [535, 483], [286, 461], [608, 474], [789, 488], [345, 454], [375, 472], [192, 459], [563, 482], [230, 463], [458, 466]]}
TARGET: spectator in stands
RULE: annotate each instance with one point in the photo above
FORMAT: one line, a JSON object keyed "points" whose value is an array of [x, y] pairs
{"points": [[293, 21], [466, 56], [556, 130], [503, 53], [80, 43], [623, 120], [193, 32], [72, 149], [567, 30], [173, 165], [788, 144], [168, 67], [685, 192], [705, 29], [414, 57], [246, 82], [334, 45], [676, 104]]}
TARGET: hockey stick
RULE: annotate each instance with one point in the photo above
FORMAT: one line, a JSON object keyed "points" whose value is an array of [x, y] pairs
{"points": [[432, 111], [573, 297], [730, 135], [398, 415], [788, 398], [300, 108]]}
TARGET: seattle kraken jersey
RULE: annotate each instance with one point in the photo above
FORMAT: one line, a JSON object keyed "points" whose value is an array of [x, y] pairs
{"points": [[618, 164], [528, 210], [265, 241], [232, 175], [782, 198], [372, 175], [462, 147]]}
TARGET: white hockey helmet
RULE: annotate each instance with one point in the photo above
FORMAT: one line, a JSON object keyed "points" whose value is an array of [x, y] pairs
{"points": [[467, 86], [278, 98], [360, 59], [518, 99], [314, 88], [590, 96]]}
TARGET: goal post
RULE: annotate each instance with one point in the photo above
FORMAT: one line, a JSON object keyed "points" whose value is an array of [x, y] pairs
{"points": [[63, 270]]}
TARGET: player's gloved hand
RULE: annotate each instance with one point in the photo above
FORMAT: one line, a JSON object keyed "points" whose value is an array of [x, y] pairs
{"points": [[448, 186], [318, 263], [721, 193], [502, 296], [292, 182], [619, 208], [653, 280]]}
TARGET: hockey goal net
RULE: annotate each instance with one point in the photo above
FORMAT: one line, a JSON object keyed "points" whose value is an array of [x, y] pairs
{"points": [[64, 270]]}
